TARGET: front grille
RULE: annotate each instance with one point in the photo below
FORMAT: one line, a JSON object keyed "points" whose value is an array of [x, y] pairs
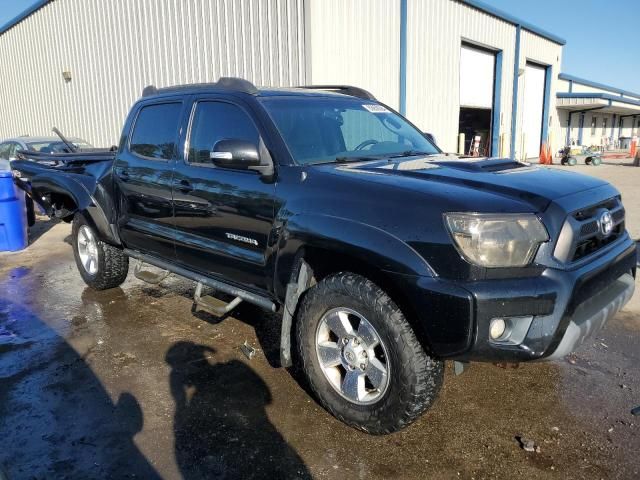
{"points": [[593, 244], [590, 239], [589, 228], [582, 236]]}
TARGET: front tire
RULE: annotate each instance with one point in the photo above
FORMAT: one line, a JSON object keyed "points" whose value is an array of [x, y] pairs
{"points": [[361, 357], [102, 266]]}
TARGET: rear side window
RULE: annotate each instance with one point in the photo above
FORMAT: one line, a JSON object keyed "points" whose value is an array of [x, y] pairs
{"points": [[215, 121], [154, 134]]}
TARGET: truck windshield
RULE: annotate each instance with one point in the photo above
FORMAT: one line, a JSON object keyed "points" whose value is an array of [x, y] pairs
{"points": [[326, 129]]}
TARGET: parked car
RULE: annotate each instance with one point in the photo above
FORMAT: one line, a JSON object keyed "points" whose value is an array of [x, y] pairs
{"points": [[384, 255], [10, 146]]}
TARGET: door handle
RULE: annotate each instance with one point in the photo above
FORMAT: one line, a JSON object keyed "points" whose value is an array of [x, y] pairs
{"points": [[184, 186], [123, 175]]}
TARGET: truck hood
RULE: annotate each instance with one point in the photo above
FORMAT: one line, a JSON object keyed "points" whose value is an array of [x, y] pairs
{"points": [[532, 184]]}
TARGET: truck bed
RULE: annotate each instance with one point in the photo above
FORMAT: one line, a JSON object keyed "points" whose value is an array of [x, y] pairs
{"points": [[59, 159]]}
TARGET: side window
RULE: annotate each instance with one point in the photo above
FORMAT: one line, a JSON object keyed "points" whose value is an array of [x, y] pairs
{"points": [[155, 131], [215, 121], [8, 150], [594, 122], [4, 151]]}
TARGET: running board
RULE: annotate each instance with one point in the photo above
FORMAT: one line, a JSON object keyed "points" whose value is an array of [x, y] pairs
{"points": [[255, 299], [147, 276], [206, 303]]}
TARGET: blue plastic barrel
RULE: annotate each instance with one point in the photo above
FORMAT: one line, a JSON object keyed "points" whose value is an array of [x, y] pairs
{"points": [[14, 233]]}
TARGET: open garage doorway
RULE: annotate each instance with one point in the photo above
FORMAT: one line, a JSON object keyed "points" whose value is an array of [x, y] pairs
{"points": [[533, 108], [477, 81]]}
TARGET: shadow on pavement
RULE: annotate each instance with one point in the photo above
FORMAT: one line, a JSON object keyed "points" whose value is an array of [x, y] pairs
{"points": [[56, 419], [221, 426]]}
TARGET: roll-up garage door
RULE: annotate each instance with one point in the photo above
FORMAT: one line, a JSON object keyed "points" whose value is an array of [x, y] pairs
{"points": [[477, 69], [534, 81], [477, 80]]}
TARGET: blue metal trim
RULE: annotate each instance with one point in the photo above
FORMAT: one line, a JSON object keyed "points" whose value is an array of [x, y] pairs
{"points": [[403, 57], [604, 96], [37, 5], [514, 103], [513, 20], [613, 124], [589, 83], [568, 140], [497, 106], [547, 101], [580, 127]]}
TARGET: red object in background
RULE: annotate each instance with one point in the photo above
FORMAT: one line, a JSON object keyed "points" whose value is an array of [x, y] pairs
{"points": [[545, 155], [633, 149]]}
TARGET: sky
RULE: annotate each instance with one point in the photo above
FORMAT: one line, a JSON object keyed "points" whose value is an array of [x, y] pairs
{"points": [[11, 8], [602, 40], [602, 43]]}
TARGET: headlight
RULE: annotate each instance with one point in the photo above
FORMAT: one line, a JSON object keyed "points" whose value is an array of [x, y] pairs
{"points": [[496, 240]]}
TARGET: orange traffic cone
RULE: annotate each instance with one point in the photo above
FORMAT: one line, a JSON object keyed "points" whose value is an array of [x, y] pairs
{"points": [[543, 155]]}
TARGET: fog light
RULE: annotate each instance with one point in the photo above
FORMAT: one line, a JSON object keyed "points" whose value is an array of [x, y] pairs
{"points": [[497, 328]]}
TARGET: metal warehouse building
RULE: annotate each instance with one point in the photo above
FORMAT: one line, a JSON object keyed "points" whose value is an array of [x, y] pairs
{"points": [[452, 66]]}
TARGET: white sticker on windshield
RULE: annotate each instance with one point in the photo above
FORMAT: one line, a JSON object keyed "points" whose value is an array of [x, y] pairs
{"points": [[373, 108]]}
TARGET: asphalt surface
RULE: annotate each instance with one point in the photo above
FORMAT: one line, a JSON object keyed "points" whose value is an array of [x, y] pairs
{"points": [[132, 383]]}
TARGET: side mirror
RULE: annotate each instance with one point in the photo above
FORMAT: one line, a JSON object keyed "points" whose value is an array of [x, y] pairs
{"points": [[429, 137], [237, 154], [242, 155]]}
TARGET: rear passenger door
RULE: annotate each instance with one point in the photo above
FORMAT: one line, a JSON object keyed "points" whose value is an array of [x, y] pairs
{"points": [[223, 217], [144, 174]]}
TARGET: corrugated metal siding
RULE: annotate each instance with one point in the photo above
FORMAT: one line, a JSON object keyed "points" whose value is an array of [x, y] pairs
{"points": [[539, 50], [356, 42], [114, 48], [436, 29]]}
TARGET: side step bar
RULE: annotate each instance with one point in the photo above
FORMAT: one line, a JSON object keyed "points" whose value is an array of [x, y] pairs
{"points": [[147, 276], [204, 302], [255, 299]]}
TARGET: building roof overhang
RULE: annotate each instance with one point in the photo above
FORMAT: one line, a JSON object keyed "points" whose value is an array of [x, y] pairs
{"points": [[603, 102]]}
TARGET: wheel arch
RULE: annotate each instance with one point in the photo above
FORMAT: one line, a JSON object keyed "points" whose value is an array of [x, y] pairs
{"points": [[63, 197], [352, 247]]}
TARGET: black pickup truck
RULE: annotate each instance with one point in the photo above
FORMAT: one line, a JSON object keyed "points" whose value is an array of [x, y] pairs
{"points": [[384, 255]]}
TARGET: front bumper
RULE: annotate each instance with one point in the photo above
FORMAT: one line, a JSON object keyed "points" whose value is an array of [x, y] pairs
{"points": [[555, 311]]}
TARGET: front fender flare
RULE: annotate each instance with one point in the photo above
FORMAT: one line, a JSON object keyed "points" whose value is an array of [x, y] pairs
{"points": [[367, 243]]}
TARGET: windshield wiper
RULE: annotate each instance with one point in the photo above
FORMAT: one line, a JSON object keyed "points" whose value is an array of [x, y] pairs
{"points": [[410, 153], [357, 159]]}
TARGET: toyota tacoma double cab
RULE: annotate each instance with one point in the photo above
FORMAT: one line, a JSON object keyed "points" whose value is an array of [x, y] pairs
{"points": [[384, 255]]}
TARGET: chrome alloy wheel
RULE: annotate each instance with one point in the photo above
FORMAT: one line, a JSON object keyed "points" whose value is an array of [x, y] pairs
{"points": [[352, 356], [88, 250]]}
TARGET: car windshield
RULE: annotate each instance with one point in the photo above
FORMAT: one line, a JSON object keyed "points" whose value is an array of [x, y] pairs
{"points": [[340, 129], [55, 146]]}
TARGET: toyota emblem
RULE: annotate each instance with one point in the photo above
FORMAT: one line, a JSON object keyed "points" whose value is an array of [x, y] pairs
{"points": [[606, 223]]}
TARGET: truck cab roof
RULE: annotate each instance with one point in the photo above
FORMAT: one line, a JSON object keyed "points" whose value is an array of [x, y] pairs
{"points": [[239, 85]]}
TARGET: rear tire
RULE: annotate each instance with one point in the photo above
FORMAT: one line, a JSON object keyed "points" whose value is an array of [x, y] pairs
{"points": [[101, 266], [380, 405]]}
